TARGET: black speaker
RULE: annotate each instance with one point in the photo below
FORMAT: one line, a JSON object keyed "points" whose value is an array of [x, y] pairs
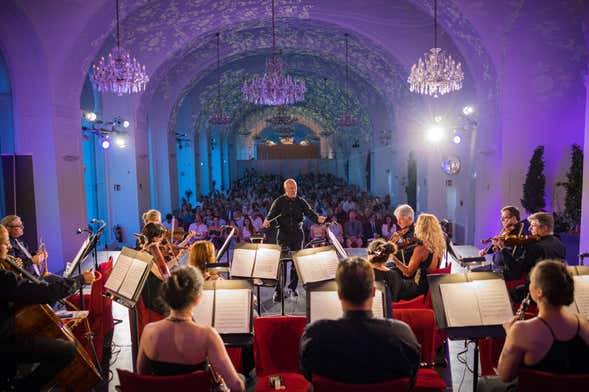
{"points": [[19, 193]]}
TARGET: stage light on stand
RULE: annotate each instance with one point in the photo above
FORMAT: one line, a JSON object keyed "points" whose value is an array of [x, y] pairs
{"points": [[468, 110], [105, 143], [90, 116], [438, 119], [456, 139], [435, 133], [126, 124]]}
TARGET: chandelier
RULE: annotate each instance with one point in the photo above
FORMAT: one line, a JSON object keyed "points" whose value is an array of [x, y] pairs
{"points": [[347, 120], [218, 118], [437, 73], [274, 88], [118, 73], [281, 119]]}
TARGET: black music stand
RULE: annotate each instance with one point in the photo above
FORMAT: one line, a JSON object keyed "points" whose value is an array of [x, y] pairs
{"points": [[463, 333]]}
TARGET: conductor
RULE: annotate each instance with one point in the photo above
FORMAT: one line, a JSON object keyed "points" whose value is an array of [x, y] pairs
{"points": [[288, 210]]}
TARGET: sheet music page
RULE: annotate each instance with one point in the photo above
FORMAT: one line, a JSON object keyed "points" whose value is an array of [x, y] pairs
{"points": [[243, 262], [134, 275], [318, 267], [267, 261], [494, 304], [377, 308], [232, 311], [203, 312], [460, 304], [117, 276], [325, 305], [582, 294]]}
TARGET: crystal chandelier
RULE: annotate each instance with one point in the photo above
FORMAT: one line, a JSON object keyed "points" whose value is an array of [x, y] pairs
{"points": [[347, 120], [218, 118], [274, 88], [118, 73], [437, 73]]}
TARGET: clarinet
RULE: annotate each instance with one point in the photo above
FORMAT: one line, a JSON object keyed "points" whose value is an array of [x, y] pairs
{"points": [[217, 381], [521, 312]]}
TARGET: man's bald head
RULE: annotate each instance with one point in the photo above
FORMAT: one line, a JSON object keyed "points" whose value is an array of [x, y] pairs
{"points": [[290, 188]]}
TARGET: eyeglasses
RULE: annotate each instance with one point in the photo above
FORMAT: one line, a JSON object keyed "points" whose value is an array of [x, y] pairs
{"points": [[506, 217]]}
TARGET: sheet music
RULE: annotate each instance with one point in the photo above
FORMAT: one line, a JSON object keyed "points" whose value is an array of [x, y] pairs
{"points": [[119, 271], [203, 312], [132, 279], [325, 305], [267, 261], [318, 266], [243, 262], [494, 304], [377, 308], [335, 242], [582, 294], [460, 304], [232, 311]]}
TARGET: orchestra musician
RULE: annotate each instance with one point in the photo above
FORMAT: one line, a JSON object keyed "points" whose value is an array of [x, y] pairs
{"points": [[510, 225], [51, 354], [426, 256], [152, 236], [547, 247], [405, 231], [289, 210], [201, 253], [34, 263]]}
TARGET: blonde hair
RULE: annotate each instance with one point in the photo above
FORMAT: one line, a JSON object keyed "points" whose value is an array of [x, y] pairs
{"points": [[152, 216], [201, 253], [429, 231]]}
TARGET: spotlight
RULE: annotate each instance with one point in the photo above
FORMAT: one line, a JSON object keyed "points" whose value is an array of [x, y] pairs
{"points": [[105, 143], [456, 139], [90, 116], [438, 119], [435, 133], [121, 141], [126, 124], [468, 110]]}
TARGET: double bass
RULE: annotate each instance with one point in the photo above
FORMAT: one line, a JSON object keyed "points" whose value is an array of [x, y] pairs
{"points": [[40, 321]]}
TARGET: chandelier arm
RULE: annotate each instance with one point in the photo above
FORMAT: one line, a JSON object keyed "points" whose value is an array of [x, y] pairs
{"points": [[117, 17]]}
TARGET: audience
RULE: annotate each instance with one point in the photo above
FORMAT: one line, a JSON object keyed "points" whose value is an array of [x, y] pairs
{"points": [[358, 348], [178, 345], [353, 232]]}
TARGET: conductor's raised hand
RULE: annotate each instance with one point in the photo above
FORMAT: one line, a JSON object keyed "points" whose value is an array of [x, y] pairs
{"points": [[321, 219], [266, 223]]}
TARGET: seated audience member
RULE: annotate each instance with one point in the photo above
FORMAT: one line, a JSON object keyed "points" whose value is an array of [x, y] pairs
{"points": [[317, 232], [178, 345], [353, 231], [426, 256], [201, 253], [246, 230], [556, 341], [199, 228], [337, 229], [216, 232], [388, 227], [358, 348], [372, 230]]}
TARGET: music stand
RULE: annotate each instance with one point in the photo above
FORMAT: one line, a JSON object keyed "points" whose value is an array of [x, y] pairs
{"points": [[216, 266]]}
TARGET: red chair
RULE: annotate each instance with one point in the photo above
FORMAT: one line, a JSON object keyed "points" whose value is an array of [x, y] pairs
{"points": [[423, 325], [534, 380], [323, 384], [132, 382], [276, 351]]}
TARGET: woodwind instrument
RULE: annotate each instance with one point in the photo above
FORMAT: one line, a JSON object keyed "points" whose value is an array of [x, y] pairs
{"points": [[521, 312], [217, 381], [42, 252]]}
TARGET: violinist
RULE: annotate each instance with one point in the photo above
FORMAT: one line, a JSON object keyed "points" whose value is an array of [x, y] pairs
{"points": [[405, 231], [35, 263], [426, 256], [51, 354], [152, 235], [510, 225], [547, 247]]}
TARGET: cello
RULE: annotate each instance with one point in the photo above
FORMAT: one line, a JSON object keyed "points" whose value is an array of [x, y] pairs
{"points": [[40, 320]]}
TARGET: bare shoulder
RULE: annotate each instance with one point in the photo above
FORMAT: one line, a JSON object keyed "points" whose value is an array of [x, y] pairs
{"points": [[583, 327]]}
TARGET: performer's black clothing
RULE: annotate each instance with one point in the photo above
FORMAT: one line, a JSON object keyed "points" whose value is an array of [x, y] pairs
{"points": [[18, 252], [359, 348], [548, 247], [290, 227], [516, 251], [53, 354]]}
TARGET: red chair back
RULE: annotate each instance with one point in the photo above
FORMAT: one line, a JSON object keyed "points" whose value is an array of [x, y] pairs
{"points": [[276, 343], [105, 269], [323, 384], [423, 326], [533, 380], [132, 382]]}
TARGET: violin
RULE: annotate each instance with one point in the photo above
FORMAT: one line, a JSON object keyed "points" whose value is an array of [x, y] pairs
{"points": [[515, 240], [408, 243], [504, 232], [399, 234]]}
